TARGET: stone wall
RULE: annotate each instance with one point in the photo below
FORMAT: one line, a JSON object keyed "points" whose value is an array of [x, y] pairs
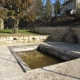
{"points": [[22, 39], [64, 34], [1, 24], [73, 32], [56, 34]]}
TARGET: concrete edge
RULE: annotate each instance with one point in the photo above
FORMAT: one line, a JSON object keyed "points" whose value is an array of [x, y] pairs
{"points": [[21, 63]]}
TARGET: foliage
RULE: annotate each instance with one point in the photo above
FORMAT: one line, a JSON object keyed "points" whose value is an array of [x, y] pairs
{"points": [[39, 7], [48, 8], [17, 8], [3, 13], [43, 10], [57, 7]]}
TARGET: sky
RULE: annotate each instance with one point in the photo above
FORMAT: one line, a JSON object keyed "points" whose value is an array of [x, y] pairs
{"points": [[53, 1]]}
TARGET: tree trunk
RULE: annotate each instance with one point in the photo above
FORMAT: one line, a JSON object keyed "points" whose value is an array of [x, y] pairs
{"points": [[15, 28]]}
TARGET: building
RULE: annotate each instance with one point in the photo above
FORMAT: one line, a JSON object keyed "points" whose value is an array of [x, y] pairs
{"points": [[71, 7]]}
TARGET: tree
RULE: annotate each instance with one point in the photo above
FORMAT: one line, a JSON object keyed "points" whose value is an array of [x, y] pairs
{"points": [[31, 15], [48, 10], [39, 8], [3, 11], [17, 9], [57, 7]]}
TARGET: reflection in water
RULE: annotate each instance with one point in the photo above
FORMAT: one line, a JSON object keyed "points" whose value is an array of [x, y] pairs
{"points": [[36, 59]]}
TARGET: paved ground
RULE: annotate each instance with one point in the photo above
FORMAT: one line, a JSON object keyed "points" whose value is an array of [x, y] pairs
{"points": [[10, 70], [65, 46]]}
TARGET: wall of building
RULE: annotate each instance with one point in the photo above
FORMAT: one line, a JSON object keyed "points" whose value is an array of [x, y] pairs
{"points": [[78, 1], [70, 5], [73, 5], [78, 6]]}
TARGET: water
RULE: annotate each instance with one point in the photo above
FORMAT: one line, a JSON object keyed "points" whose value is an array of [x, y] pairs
{"points": [[36, 59]]}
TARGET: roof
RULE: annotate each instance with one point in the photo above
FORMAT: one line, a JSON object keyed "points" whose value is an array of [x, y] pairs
{"points": [[66, 2]]}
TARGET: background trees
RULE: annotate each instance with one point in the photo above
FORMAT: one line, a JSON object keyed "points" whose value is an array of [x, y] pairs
{"points": [[39, 8], [44, 8], [48, 9], [17, 9], [57, 7]]}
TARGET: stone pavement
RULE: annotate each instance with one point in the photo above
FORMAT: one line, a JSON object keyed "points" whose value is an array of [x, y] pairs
{"points": [[10, 70], [65, 46]]}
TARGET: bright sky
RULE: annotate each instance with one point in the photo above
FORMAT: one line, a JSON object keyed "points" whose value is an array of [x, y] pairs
{"points": [[53, 1]]}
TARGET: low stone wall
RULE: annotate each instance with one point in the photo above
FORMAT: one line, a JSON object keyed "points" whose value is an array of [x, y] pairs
{"points": [[60, 33], [22, 39], [56, 34]]}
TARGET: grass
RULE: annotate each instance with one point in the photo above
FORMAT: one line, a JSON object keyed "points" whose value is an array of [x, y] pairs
{"points": [[20, 32], [6, 31]]}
